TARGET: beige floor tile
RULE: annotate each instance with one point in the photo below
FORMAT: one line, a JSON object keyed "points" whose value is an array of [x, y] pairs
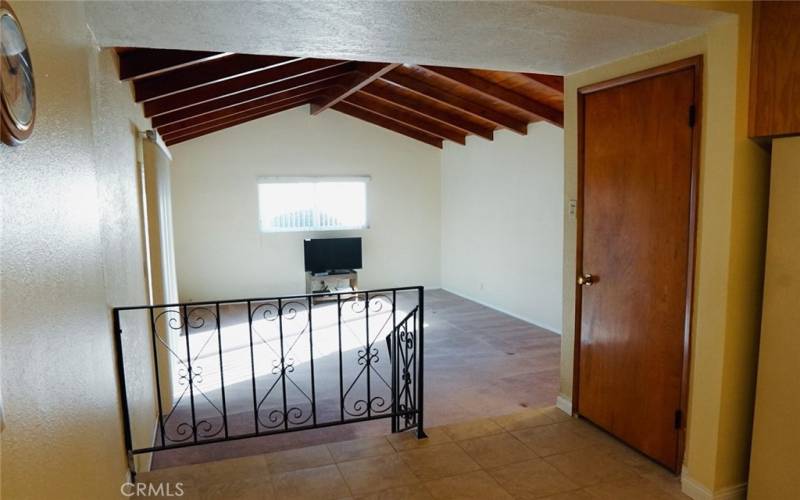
{"points": [[321, 483], [556, 414], [524, 420], [186, 489], [472, 485], [360, 448], [236, 469], [591, 431], [615, 447], [664, 480], [633, 489], [412, 492], [301, 458], [472, 429], [532, 479], [369, 475], [591, 466], [435, 462], [571, 495], [408, 440], [496, 450], [241, 489], [552, 439], [184, 472], [631, 457]]}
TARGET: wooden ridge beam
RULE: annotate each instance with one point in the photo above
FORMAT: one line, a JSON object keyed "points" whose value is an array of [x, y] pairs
{"points": [[196, 75], [248, 107], [473, 108], [237, 84], [141, 63], [380, 121], [490, 89], [366, 73], [454, 119], [406, 117], [207, 128], [552, 82]]}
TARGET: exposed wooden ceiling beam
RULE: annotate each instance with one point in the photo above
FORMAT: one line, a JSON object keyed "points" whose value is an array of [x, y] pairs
{"points": [[492, 90], [207, 128], [187, 92], [141, 63], [197, 75], [418, 104], [248, 107], [238, 84], [366, 73], [255, 97], [553, 82], [473, 108], [380, 121], [406, 117]]}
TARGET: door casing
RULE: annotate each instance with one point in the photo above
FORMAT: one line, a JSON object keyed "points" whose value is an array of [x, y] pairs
{"points": [[696, 63]]}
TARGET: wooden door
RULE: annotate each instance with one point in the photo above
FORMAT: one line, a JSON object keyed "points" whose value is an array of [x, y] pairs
{"points": [[638, 154]]}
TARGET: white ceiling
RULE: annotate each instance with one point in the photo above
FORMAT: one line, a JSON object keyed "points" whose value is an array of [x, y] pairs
{"points": [[545, 37]]}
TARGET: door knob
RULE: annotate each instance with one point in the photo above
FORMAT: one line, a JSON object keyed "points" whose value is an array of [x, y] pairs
{"points": [[585, 280]]}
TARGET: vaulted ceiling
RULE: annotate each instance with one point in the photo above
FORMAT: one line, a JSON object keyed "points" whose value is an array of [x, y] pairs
{"points": [[188, 94]]}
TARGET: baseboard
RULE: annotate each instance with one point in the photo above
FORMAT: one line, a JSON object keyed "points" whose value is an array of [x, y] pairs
{"points": [[504, 311], [696, 490], [564, 404]]}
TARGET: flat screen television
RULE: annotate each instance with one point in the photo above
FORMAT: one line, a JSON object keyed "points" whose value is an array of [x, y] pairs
{"points": [[332, 254]]}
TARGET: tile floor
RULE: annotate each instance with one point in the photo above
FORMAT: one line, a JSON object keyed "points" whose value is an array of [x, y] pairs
{"points": [[536, 453]]}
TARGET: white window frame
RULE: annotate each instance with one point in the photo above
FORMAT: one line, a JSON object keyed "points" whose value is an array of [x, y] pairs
{"points": [[314, 179]]}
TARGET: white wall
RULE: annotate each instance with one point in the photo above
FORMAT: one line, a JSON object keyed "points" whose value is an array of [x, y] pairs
{"points": [[71, 248], [502, 228], [220, 252]]}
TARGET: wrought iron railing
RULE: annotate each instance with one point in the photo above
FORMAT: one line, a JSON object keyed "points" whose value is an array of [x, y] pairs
{"points": [[236, 369]]}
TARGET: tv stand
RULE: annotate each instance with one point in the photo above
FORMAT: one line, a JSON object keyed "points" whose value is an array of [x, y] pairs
{"points": [[334, 281]]}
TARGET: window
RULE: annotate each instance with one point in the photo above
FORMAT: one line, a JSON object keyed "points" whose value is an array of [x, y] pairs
{"points": [[312, 203]]}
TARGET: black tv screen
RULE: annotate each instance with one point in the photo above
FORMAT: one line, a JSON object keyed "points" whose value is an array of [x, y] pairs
{"points": [[332, 254]]}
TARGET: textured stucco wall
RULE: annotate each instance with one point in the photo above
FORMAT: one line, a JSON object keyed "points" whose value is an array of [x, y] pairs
{"points": [[71, 248]]}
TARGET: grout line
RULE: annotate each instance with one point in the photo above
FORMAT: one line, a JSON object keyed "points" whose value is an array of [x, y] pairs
{"points": [[344, 479]]}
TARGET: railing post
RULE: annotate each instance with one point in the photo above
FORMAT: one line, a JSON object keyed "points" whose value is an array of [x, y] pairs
{"points": [[252, 364], [393, 360], [189, 372], [420, 346], [123, 391], [310, 304]]}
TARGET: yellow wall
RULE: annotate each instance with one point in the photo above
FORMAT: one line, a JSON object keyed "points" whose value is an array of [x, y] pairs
{"points": [[776, 440], [71, 248], [731, 222]]}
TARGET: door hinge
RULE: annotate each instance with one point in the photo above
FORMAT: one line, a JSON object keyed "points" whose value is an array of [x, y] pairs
{"points": [[678, 419], [692, 115]]}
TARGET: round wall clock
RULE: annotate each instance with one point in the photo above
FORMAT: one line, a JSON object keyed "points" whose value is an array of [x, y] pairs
{"points": [[17, 92]]}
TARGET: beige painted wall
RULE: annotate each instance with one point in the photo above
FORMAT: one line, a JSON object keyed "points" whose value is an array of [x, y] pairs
{"points": [[501, 222], [730, 246], [71, 248], [775, 462], [219, 250]]}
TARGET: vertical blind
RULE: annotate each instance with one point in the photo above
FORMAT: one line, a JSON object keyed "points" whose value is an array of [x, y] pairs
{"points": [[312, 203]]}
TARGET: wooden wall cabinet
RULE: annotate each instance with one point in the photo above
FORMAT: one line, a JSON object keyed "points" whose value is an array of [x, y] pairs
{"points": [[775, 70]]}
